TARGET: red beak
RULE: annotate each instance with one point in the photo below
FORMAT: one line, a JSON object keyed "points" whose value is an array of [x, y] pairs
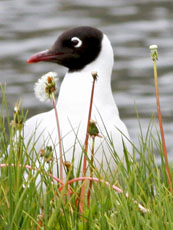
{"points": [[45, 55]]}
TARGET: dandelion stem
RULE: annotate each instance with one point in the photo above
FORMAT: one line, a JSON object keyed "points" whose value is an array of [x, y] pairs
{"points": [[82, 195], [115, 188], [59, 137], [154, 56], [91, 170]]}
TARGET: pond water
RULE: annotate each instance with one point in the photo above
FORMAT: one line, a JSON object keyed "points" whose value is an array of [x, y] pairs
{"points": [[29, 26]]}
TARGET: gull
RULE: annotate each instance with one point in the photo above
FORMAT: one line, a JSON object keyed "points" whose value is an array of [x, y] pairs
{"points": [[81, 50]]}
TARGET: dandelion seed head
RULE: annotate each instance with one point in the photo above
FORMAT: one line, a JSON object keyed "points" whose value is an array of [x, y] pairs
{"points": [[94, 74], [45, 86], [154, 52]]}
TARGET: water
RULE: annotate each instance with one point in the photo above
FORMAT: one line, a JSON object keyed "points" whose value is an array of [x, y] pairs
{"points": [[29, 26]]}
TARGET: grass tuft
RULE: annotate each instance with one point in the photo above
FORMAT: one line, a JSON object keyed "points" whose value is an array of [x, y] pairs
{"points": [[27, 204]]}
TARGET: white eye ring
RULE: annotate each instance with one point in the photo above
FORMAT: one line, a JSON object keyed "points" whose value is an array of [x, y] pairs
{"points": [[79, 42]]}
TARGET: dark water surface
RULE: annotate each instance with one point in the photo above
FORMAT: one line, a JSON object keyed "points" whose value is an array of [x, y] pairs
{"points": [[29, 26]]}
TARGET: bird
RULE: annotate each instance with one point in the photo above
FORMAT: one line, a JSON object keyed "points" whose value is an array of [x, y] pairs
{"points": [[81, 50]]}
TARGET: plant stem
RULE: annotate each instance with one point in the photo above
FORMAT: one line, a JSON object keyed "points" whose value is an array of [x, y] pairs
{"points": [[82, 195], [154, 56], [91, 170], [59, 137], [115, 188]]}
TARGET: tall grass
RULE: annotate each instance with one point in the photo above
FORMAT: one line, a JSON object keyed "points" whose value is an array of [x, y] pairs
{"points": [[27, 204]]}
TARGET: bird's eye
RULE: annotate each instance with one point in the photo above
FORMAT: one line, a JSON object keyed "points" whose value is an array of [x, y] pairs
{"points": [[76, 42]]}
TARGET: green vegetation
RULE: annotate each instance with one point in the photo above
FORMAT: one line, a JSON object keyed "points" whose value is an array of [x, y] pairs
{"points": [[25, 204]]}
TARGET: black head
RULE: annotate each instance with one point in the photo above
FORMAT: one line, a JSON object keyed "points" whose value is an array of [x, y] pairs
{"points": [[74, 49]]}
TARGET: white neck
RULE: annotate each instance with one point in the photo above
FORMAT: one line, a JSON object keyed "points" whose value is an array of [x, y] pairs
{"points": [[104, 62]]}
